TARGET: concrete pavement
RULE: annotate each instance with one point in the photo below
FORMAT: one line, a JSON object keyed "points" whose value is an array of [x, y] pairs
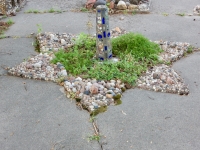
{"points": [[36, 115]]}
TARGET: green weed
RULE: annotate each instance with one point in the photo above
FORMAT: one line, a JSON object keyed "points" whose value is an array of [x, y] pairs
{"points": [[134, 12], [190, 49], [51, 10], [39, 28], [2, 36], [10, 21], [181, 14], [94, 138], [83, 9], [165, 14]]}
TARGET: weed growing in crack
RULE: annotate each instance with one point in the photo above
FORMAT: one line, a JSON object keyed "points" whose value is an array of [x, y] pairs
{"points": [[165, 14], [181, 14], [39, 28], [83, 9], [10, 21], [190, 49], [2, 36], [36, 45], [92, 118], [51, 10], [94, 138]]}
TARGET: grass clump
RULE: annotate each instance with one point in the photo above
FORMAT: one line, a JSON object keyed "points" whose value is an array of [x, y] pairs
{"points": [[94, 138], [51, 10], [10, 22], [78, 59], [165, 14], [135, 52], [181, 14], [83, 9]]}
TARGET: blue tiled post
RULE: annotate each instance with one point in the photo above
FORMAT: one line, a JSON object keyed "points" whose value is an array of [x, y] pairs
{"points": [[104, 48]]}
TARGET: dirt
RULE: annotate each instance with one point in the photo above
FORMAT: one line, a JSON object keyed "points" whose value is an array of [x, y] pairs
{"points": [[3, 26]]}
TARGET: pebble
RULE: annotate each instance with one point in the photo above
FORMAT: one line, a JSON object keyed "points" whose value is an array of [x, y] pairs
{"points": [[196, 10]]}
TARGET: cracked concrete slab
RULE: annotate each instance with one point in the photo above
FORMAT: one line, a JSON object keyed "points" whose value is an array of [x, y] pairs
{"points": [[31, 117], [15, 50]]}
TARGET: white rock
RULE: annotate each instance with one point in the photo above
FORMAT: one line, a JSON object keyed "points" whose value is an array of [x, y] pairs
{"points": [[121, 5], [51, 36], [63, 42], [78, 79], [37, 65], [63, 73], [89, 84], [67, 83], [74, 90]]}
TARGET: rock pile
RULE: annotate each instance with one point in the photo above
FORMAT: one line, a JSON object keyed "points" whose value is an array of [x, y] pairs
{"points": [[118, 5], [173, 51], [163, 78], [39, 68], [93, 94], [53, 42]]}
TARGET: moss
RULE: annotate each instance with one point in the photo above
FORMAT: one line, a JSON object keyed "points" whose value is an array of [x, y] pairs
{"points": [[118, 96], [123, 89], [118, 101], [99, 110], [78, 99]]}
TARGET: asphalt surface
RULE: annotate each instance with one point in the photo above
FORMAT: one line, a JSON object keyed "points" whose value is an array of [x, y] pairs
{"points": [[36, 115]]}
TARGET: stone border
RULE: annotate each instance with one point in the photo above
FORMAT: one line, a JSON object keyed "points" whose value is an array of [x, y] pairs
{"points": [[138, 10]]}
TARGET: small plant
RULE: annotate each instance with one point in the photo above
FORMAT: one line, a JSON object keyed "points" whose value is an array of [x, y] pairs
{"points": [[29, 11], [190, 49], [2, 36], [10, 21], [36, 11], [181, 14], [51, 10], [92, 118], [94, 138], [59, 11], [165, 14], [36, 45], [168, 63], [39, 28], [83, 9], [134, 12], [33, 11]]}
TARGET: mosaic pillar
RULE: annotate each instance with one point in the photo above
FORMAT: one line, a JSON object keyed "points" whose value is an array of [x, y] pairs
{"points": [[104, 48]]}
